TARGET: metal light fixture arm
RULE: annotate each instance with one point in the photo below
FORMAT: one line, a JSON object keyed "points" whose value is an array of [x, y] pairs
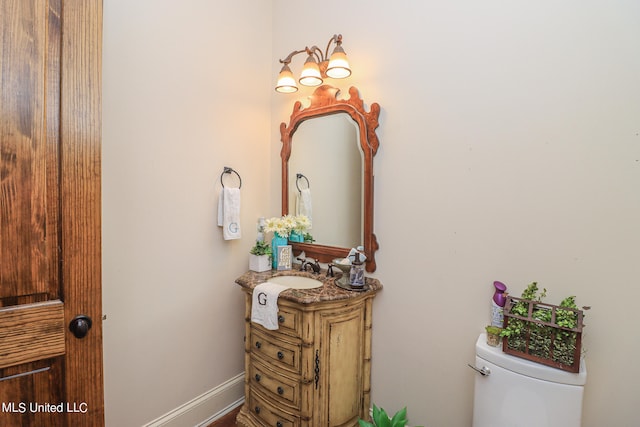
{"points": [[337, 39], [315, 50], [287, 60]]}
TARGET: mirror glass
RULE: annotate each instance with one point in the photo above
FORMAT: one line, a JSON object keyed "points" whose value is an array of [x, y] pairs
{"points": [[331, 144], [327, 160]]}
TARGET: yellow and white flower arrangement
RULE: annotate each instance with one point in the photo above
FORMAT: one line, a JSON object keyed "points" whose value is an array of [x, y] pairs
{"points": [[283, 226]]}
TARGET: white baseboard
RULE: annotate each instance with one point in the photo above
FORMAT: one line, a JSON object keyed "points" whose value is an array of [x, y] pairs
{"points": [[207, 407], [221, 413]]}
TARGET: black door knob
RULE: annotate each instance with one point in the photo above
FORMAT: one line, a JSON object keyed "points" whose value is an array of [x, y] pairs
{"points": [[80, 326]]}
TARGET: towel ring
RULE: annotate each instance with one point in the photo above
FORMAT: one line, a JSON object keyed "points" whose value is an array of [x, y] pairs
{"points": [[229, 170], [298, 177]]}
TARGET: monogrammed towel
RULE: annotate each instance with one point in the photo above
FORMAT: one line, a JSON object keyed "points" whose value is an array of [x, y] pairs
{"points": [[264, 306], [229, 213]]}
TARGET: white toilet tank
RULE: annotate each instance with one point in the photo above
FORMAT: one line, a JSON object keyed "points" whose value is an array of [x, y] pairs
{"points": [[520, 393]]}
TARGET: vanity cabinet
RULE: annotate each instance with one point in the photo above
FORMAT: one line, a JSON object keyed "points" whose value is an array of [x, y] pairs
{"points": [[314, 370]]}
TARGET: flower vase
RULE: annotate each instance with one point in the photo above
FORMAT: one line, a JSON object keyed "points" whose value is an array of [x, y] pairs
{"points": [[296, 237], [275, 242]]}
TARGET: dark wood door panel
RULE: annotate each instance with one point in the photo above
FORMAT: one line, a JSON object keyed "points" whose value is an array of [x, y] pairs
{"points": [[30, 60], [50, 127], [39, 380]]}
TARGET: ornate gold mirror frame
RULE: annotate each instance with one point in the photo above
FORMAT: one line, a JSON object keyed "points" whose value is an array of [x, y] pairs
{"points": [[324, 102]]}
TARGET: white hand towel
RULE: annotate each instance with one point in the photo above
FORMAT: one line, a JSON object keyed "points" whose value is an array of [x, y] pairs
{"points": [[264, 306], [229, 213], [304, 205]]}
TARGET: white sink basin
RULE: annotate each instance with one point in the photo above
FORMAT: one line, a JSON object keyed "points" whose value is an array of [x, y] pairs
{"points": [[296, 282]]}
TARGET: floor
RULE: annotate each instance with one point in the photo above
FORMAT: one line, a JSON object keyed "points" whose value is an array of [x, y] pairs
{"points": [[228, 420]]}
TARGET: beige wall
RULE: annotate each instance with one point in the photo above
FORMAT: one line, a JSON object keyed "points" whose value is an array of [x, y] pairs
{"points": [[510, 150], [509, 145], [181, 82]]}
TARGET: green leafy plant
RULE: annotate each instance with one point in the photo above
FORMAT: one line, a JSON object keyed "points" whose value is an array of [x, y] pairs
{"points": [[261, 248], [381, 419], [494, 330], [542, 337], [518, 327], [493, 335]]}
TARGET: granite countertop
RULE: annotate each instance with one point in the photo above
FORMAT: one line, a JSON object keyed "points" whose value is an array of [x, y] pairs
{"points": [[328, 292]]}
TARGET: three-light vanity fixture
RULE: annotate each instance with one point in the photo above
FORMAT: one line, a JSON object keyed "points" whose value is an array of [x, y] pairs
{"points": [[317, 66]]}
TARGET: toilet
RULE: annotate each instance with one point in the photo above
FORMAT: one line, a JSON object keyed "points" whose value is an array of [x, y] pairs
{"points": [[514, 392]]}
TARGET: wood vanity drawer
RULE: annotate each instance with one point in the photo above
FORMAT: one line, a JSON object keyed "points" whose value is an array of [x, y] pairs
{"points": [[289, 321], [272, 383], [271, 349], [268, 415]]}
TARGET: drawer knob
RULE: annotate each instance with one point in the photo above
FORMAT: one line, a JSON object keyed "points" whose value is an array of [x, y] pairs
{"points": [[281, 318], [258, 377], [280, 355], [258, 344], [257, 409], [279, 424], [280, 390]]}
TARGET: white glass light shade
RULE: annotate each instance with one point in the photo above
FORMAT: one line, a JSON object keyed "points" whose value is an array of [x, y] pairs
{"points": [[310, 75], [338, 67], [286, 82]]}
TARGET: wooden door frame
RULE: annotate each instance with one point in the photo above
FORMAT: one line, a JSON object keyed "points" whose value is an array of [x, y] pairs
{"points": [[80, 204]]}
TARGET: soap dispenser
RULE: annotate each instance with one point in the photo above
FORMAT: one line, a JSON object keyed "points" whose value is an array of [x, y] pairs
{"points": [[356, 275]]}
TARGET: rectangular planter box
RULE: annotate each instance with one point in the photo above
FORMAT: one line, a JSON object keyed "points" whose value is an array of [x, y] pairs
{"points": [[544, 341]]}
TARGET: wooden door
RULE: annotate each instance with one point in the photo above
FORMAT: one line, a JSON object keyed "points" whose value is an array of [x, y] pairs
{"points": [[50, 134]]}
